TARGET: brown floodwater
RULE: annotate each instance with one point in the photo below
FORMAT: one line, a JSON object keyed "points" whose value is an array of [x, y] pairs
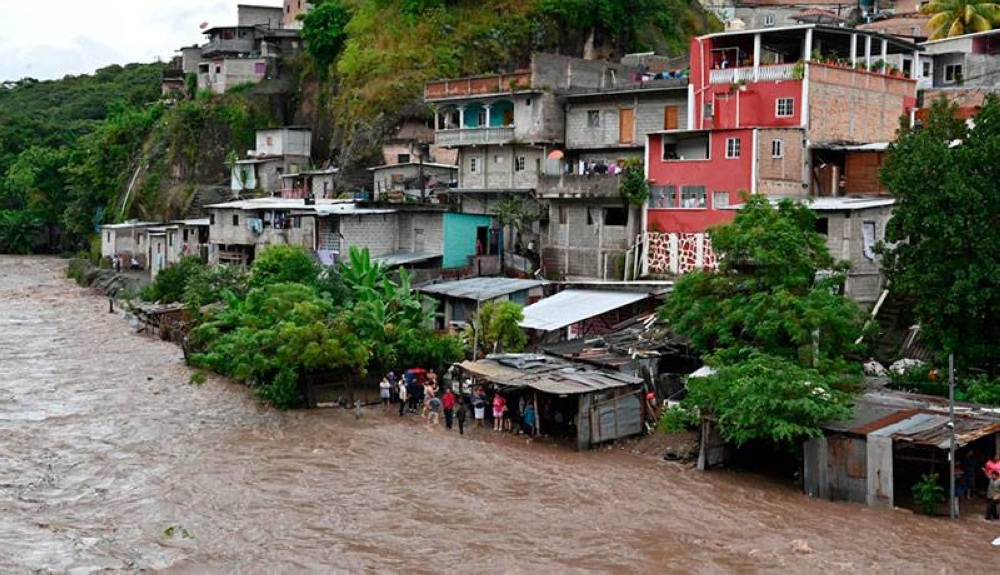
{"points": [[111, 461]]}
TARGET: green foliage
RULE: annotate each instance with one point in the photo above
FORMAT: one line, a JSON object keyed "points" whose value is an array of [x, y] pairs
{"points": [[765, 294], [516, 212], [284, 264], [496, 324], [324, 31], [197, 378], [761, 396], [209, 284], [343, 323], [980, 389], [170, 283], [943, 244], [917, 379], [929, 494], [776, 335], [957, 17], [19, 231], [634, 186], [677, 419]]}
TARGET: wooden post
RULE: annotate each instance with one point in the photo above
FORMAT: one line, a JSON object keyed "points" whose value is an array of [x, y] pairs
{"points": [[538, 415]]}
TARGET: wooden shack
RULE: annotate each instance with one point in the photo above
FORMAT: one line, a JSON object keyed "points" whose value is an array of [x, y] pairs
{"points": [[596, 405]]}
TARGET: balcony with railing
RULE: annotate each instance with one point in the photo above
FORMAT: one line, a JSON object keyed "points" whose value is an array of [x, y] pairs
{"points": [[478, 86], [747, 74], [492, 135]]}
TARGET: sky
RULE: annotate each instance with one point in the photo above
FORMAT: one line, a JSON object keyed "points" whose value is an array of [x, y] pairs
{"points": [[49, 39]]}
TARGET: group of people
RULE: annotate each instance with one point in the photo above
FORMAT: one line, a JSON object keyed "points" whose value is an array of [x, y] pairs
{"points": [[417, 391], [118, 262]]}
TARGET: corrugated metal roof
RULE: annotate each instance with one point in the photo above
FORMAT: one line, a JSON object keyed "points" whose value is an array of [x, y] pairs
{"points": [[572, 306], [480, 289], [917, 419], [547, 374], [404, 257]]}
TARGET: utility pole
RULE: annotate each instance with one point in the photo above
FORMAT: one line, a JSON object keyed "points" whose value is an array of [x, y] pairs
{"points": [[953, 503]]}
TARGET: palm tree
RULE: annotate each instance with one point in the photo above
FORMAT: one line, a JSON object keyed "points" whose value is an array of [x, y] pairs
{"points": [[957, 17]]}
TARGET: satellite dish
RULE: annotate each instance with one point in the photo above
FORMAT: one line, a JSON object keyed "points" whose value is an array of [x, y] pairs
{"points": [[203, 25]]}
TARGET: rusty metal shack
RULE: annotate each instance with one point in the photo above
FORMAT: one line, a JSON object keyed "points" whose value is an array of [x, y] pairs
{"points": [[600, 405], [876, 456]]}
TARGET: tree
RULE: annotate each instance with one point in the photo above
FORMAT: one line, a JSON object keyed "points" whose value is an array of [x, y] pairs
{"points": [[284, 264], [957, 17], [770, 397], [776, 335], [169, 285], [496, 327], [634, 186], [324, 30], [942, 243]]}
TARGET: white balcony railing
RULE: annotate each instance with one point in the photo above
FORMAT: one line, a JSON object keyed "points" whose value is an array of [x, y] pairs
{"points": [[464, 136], [771, 73]]}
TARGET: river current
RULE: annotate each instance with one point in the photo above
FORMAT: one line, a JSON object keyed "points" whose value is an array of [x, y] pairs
{"points": [[110, 461]]}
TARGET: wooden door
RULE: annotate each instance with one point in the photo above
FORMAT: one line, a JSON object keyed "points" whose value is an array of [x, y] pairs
{"points": [[670, 115], [626, 125]]}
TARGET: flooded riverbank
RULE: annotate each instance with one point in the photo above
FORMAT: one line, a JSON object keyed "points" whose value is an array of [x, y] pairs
{"points": [[110, 460]]}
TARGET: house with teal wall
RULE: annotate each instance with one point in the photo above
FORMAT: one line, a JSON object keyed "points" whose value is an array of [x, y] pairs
{"points": [[460, 234]]}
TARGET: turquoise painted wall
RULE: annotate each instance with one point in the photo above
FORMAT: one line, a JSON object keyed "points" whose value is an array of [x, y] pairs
{"points": [[460, 237]]}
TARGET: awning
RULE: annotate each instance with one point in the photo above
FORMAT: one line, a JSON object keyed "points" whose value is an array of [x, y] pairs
{"points": [[547, 374], [573, 306]]}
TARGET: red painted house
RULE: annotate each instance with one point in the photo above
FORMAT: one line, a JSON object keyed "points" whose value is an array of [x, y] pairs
{"points": [[771, 112]]}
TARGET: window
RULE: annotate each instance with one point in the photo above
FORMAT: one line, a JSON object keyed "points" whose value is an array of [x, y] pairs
{"points": [[693, 196], [868, 239], [822, 226], [768, 20], [927, 68], [953, 73], [170, 240], [615, 217], [707, 111], [211, 219], [297, 222], [109, 238], [481, 117], [720, 199], [590, 218], [497, 159], [185, 235], [732, 148], [777, 148], [785, 107], [670, 150], [527, 102], [562, 215], [519, 164], [663, 197], [670, 117], [473, 165], [593, 119], [402, 158], [236, 219]]}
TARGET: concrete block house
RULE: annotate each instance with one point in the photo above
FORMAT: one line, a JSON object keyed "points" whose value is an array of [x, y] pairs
{"points": [[782, 112], [278, 151]]}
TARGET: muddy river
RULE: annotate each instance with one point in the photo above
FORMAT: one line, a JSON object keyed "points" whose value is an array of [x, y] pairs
{"points": [[111, 462]]}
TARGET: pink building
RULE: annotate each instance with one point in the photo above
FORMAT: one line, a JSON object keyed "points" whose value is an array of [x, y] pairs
{"points": [[777, 111]]}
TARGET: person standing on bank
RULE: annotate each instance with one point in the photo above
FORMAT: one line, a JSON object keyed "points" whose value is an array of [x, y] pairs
{"points": [[992, 496], [461, 416], [448, 403], [384, 392], [404, 396]]}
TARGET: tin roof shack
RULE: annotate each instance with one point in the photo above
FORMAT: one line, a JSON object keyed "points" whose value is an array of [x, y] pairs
{"points": [[590, 309], [588, 405], [458, 301], [643, 346], [129, 239], [877, 456]]}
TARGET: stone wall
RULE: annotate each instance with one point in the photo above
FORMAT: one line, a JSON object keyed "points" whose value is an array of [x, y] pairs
{"points": [[678, 253], [782, 176], [579, 241]]}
